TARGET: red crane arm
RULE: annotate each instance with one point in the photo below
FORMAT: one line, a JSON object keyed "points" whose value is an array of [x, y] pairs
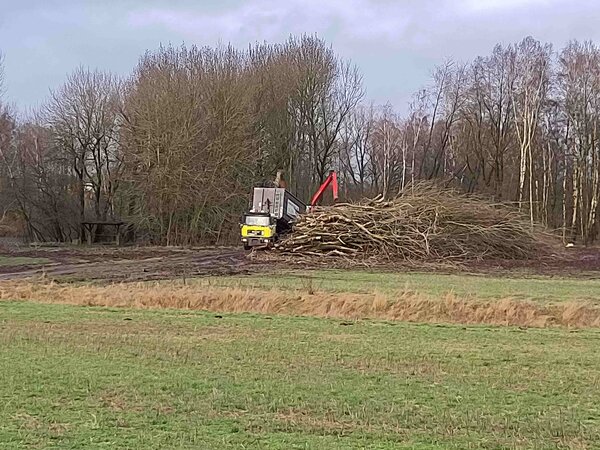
{"points": [[331, 179]]}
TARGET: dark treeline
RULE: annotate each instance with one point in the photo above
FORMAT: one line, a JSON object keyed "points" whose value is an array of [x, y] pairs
{"points": [[175, 148]]}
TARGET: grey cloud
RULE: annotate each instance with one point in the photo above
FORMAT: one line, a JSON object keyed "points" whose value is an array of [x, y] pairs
{"points": [[395, 43]]}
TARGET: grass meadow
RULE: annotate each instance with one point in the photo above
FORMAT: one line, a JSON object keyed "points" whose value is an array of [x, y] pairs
{"points": [[309, 360]]}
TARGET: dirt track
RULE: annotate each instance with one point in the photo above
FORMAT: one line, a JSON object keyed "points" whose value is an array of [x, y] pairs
{"points": [[127, 263], [122, 264]]}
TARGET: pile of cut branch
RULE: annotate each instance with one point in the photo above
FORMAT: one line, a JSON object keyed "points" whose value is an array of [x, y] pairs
{"points": [[423, 223]]}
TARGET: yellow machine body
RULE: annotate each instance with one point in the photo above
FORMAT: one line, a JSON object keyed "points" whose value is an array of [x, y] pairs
{"points": [[258, 231], [272, 212]]}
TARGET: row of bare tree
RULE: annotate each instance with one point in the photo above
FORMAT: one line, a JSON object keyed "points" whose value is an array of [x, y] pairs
{"points": [[520, 125], [175, 148]]}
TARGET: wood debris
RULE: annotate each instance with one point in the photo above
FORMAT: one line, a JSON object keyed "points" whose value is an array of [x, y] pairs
{"points": [[422, 223]]}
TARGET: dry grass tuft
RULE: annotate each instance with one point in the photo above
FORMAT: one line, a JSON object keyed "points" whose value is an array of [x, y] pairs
{"points": [[404, 306]]}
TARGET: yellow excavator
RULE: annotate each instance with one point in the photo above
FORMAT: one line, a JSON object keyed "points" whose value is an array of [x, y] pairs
{"points": [[274, 210]]}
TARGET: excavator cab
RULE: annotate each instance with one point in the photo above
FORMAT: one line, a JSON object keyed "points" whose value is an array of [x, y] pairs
{"points": [[258, 228]]}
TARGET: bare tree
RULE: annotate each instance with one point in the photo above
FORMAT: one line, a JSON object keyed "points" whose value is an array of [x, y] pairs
{"points": [[328, 89], [387, 147], [355, 150], [530, 71], [83, 115], [7, 154], [444, 100], [579, 91], [1, 75], [188, 137], [486, 133]]}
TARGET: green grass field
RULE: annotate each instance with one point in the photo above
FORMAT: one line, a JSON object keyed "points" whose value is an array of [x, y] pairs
{"points": [[82, 377], [428, 284]]}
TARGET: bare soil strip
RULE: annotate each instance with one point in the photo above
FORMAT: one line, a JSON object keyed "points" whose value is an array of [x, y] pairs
{"points": [[127, 264], [132, 266], [405, 306]]}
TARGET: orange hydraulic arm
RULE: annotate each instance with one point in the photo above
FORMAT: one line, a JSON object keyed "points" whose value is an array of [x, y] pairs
{"points": [[330, 180]]}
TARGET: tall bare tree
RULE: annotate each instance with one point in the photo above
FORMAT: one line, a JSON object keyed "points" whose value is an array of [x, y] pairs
{"points": [[355, 151], [531, 74], [188, 135], [83, 115], [579, 91], [7, 154], [387, 147], [327, 91]]}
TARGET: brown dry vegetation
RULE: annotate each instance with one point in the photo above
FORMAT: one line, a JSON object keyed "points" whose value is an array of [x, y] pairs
{"points": [[424, 222], [403, 306]]}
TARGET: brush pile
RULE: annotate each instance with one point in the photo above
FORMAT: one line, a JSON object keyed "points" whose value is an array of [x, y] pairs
{"points": [[423, 223]]}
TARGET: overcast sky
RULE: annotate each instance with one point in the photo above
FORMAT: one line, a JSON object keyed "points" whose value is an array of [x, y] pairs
{"points": [[396, 44]]}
